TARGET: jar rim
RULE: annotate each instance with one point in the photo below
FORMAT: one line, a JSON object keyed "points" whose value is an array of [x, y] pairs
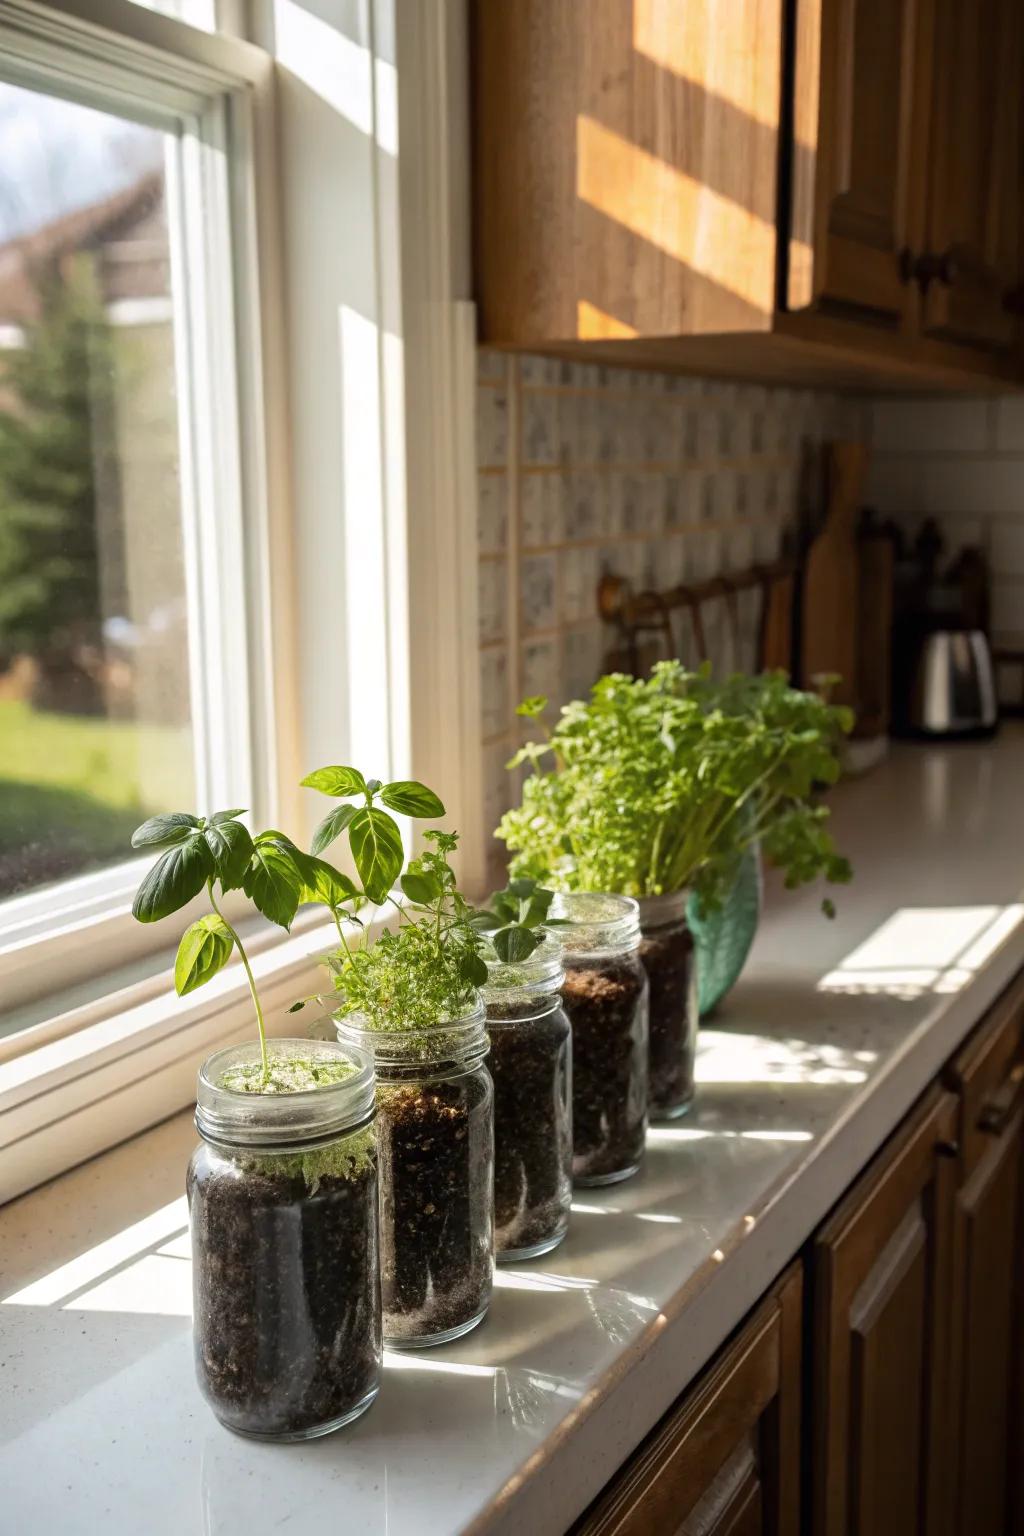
{"points": [[663, 908], [308, 1116], [541, 971], [445, 1040], [596, 922]]}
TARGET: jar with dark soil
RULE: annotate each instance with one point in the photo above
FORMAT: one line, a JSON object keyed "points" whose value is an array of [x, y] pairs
{"points": [[605, 995], [435, 1143], [668, 952], [282, 1195], [531, 1066]]}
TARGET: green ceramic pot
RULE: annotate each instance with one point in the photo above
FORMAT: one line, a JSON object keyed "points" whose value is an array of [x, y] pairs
{"points": [[723, 937]]}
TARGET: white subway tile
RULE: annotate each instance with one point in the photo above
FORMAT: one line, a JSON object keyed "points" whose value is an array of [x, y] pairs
{"points": [[1007, 550], [928, 426], [974, 485], [895, 485], [1008, 612], [1009, 421]]}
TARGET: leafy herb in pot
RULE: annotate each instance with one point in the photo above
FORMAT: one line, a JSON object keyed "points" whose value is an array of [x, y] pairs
{"points": [[531, 1067], [411, 999], [654, 787], [282, 1188]]}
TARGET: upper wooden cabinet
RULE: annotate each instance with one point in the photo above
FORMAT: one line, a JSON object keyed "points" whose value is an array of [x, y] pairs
{"points": [[818, 190], [970, 259], [857, 153]]}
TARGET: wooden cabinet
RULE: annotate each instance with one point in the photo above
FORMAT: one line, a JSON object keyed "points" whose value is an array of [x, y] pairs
{"points": [[857, 151], [726, 1461], [645, 193], [987, 1291], [879, 1424], [970, 258]]}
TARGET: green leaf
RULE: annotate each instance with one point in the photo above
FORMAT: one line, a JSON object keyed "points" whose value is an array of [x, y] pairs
{"points": [[205, 949], [175, 878], [165, 831], [219, 816], [514, 943], [325, 884], [372, 786], [474, 970], [532, 707], [483, 920], [411, 799], [274, 880], [332, 827], [338, 782], [377, 849], [420, 887], [231, 847]]}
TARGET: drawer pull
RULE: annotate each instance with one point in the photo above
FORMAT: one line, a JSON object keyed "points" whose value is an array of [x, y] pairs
{"points": [[997, 1111]]}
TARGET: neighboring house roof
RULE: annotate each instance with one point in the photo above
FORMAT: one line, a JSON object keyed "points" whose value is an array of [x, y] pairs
{"points": [[128, 231]]}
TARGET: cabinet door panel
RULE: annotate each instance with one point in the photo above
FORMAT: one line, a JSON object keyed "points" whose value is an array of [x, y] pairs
{"points": [[726, 1461], [988, 1274], [879, 1423], [857, 128], [986, 1241], [975, 165]]}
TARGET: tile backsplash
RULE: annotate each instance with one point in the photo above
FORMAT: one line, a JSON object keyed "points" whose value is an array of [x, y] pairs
{"points": [[583, 470]]}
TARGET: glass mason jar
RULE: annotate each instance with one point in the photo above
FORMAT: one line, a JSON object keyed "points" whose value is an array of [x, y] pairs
{"points": [[531, 1067], [605, 996], [435, 1144], [668, 952], [282, 1196]]}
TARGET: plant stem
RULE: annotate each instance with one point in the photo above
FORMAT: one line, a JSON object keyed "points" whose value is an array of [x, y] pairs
{"points": [[251, 979]]}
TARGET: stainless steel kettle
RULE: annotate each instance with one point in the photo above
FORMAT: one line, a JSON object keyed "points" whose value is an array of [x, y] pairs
{"points": [[954, 691]]}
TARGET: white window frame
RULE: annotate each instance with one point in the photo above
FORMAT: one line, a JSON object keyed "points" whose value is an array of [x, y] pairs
{"points": [[105, 1062]]}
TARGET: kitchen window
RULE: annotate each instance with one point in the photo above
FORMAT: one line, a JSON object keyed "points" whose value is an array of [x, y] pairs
{"points": [[130, 508]]}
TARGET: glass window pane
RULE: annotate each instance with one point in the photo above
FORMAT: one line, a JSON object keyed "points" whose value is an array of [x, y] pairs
{"points": [[95, 729]]}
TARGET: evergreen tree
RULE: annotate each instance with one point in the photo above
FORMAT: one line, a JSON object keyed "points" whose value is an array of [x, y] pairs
{"points": [[56, 396]]}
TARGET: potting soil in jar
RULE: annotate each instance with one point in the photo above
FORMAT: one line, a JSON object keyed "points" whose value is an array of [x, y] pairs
{"points": [[606, 997], [435, 1142], [668, 954], [531, 1067], [282, 1194]]}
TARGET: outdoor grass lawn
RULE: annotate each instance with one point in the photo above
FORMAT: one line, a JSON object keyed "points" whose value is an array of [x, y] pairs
{"points": [[72, 789]]}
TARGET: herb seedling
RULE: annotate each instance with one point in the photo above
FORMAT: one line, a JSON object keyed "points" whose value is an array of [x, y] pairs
{"points": [[515, 919], [657, 785], [374, 837], [198, 851], [425, 970]]}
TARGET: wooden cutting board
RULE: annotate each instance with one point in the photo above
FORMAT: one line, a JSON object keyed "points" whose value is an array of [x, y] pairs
{"points": [[831, 583]]}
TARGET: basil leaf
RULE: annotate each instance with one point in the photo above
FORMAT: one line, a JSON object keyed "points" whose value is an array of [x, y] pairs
{"points": [[335, 781], [332, 826], [411, 799], [231, 847], [377, 849], [514, 943], [165, 831], [484, 920], [175, 878], [325, 884], [219, 816], [420, 887], [273, 881], [205, 949], [474, 970]]}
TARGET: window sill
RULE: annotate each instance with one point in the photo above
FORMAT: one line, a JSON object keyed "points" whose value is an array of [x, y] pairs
{"points": [[92, 1076]]}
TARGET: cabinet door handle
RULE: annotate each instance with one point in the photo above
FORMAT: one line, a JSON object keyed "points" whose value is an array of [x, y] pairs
{"points": [[997, 1110], [930, 267]]}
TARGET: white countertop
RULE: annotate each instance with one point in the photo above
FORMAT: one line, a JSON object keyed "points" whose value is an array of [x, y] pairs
{"points": [[833, 1032]]}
